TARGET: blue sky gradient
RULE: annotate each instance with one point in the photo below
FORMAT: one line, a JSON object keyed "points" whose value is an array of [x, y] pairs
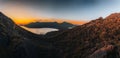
{"points": [[65, 9]]}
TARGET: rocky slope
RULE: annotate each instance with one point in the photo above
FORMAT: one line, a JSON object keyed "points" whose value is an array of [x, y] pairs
{"points": [[16, 42], [99, 38]]}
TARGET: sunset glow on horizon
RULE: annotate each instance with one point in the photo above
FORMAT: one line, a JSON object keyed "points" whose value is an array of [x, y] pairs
{"points": [[27, 21], [26, 18], [22, 16], [25, 11]]}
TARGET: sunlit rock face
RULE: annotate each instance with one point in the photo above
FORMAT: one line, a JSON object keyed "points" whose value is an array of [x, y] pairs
{"points": [[41, 31], [102, 52], [98, 38]]}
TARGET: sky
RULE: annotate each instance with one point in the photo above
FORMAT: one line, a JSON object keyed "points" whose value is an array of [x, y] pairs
{"points": [[77, 10]]}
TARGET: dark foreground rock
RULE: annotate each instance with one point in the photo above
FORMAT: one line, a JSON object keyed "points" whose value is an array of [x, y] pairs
{"points": [[16, 42], [99, 38]]}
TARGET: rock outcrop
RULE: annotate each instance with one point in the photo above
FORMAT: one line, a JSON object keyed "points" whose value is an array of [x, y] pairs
{"points": [[99, 38], [16, 42]]}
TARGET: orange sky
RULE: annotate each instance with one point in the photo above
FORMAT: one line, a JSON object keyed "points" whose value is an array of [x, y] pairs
{"points": [[22, 19], [21, 15], [26, 21], [26, 18]]}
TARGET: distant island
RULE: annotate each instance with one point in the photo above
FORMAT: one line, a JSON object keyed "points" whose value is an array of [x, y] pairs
{"points": [[56, 25]]}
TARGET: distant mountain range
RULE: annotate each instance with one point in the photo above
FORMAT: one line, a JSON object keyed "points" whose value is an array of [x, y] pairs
{"points": [[60, 26], [98, 38]]}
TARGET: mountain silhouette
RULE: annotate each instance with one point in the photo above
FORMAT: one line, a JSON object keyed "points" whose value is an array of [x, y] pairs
{"points": [[16, 42], [98, 38], [60, 26]]}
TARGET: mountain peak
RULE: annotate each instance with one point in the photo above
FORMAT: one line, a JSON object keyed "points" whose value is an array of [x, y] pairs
{"points": [[1, 14], [64, 22], [114, 16]]}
